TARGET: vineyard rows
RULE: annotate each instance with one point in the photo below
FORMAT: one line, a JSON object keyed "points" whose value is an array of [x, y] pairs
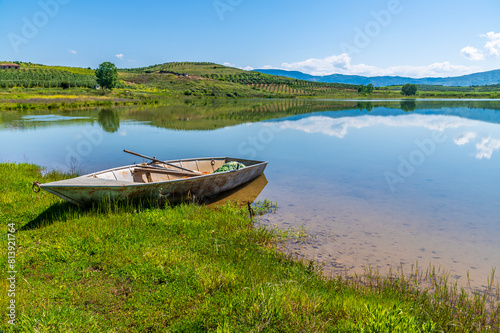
{"points": [[44, 78], [254, 78], [282, 89]]}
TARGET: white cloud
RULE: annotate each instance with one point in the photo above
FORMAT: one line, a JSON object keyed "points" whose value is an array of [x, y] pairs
{"points": [[465, 138], [328, 65], [486, 147], [491, 48], [493, 44], [342, 64], [247, 68], [472, 53], [119, 56], [72, 51]]}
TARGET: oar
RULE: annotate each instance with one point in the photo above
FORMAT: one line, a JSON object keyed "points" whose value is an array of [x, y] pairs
{"points": [[158, 161]]}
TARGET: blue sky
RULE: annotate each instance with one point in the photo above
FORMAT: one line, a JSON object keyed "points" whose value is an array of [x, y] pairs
{"points": [[380, 37]]}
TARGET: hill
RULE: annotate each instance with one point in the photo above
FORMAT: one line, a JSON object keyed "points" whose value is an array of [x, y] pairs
{"points": [[476, 79], [35, 86], [210, 79]]}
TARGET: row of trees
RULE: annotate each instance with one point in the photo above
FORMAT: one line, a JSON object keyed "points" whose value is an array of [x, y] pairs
{"points": [[407, 89], [283, 89], [252, 78]]}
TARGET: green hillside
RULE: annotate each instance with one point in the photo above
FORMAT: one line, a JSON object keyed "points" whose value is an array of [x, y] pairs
{"points": [[220, 76], [36, 86], [192, 68], [36, 75]]}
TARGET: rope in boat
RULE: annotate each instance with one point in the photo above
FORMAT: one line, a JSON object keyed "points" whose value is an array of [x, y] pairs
{"points": [[35, 185]]}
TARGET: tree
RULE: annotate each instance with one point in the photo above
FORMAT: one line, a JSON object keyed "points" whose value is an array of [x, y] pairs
{"points": [[107, 75], [409, 89], [369, 88], [362, 89]]}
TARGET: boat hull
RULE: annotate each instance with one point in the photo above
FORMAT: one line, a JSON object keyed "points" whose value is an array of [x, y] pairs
{"points": [[87, 189]]}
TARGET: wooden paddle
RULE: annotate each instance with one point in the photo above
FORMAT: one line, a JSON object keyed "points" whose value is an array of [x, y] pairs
{"points": [[163, 162]]}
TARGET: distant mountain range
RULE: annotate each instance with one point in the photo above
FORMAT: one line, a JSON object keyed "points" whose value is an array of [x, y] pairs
{"points": [[476, 79]]}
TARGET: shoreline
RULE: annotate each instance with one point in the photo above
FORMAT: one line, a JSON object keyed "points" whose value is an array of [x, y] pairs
{"points": [[210, 259], [348, 246], [69, 99]]}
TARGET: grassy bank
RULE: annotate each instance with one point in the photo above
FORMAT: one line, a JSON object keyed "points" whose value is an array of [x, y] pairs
{"points": [[36, 98], [129, 268]]}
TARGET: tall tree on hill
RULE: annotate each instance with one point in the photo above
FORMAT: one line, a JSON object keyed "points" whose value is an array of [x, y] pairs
{"points": [[107, 75]]}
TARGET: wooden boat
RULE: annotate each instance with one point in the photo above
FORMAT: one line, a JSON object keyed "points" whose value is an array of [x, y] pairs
{"points": [[169, 180]]}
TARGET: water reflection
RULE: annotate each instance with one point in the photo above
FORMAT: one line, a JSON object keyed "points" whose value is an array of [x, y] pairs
{"points": [[109, 120], [242, 195], [213, 114], [408, 105], [485, 143], [339, 127], [486, 146], [365, 106]]}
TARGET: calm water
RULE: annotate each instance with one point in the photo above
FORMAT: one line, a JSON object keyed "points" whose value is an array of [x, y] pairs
{"points": [[380, 184]]}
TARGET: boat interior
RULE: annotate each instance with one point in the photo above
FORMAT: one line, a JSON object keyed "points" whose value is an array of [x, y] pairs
{"points": [[166, 171]]}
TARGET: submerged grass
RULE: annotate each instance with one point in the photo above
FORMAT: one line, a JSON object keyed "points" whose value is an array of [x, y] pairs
{"points": [[137, 268]]}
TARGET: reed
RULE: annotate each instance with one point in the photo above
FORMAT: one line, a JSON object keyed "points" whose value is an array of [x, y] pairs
{"points": [[462, 307]]}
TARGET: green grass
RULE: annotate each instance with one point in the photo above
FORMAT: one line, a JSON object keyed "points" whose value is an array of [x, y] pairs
{"points": [[140, 268], [21, 99]]}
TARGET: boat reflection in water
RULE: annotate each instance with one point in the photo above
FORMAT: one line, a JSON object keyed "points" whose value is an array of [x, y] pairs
{"points": [[242, 195]]}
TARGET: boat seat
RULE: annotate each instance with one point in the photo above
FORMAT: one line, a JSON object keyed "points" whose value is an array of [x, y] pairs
{"points": [[168, 174]]}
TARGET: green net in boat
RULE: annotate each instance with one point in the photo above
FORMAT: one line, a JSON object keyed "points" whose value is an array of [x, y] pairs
{"points": [[230, 166]]}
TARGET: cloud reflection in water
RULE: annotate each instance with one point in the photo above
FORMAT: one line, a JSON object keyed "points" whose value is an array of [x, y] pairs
{"points": [[339, 127]]}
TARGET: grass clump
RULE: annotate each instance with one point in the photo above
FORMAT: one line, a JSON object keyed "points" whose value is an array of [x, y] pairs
{"points": [[121, 267], [263, 207]]}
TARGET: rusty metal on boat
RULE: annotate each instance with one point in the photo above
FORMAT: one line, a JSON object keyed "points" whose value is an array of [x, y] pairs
{"points": [[169, 180]]}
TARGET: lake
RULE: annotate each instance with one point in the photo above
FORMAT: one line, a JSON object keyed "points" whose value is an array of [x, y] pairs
{"points": [[373, 183]]}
